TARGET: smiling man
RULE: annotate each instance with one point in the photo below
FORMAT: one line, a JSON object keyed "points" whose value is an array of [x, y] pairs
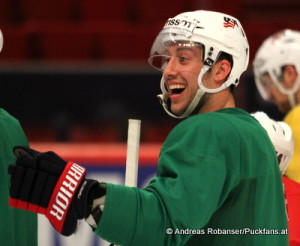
{"points": [[180, 72], [218, 180]]}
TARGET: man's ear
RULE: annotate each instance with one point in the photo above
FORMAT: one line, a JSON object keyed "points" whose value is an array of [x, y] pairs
{"points": [[289, 76], [222, 70]]}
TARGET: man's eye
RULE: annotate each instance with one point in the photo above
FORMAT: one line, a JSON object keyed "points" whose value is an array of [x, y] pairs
{"points": [[183, 59], [167, 59]]}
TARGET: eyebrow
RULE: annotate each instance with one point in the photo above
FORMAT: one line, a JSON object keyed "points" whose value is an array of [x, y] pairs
{"points": [[187, 48], [178, 49]]}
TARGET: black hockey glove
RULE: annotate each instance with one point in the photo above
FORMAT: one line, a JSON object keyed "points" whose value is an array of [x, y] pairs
{"points": [[44, 183]]}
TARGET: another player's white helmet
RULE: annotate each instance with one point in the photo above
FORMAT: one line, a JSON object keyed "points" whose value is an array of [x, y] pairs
{"points": [[277, 51], [281, 136], [216, 33]]}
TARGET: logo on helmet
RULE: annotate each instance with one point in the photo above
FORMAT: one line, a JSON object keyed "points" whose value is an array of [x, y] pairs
{"points": [[228, 22], [177, 22]]}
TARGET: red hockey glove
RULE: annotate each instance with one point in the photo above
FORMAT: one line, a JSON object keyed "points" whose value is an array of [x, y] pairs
{"points": [[44, 183]]}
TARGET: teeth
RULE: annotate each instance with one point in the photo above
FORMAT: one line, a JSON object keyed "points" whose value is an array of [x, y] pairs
{"points": [[172, 87]]}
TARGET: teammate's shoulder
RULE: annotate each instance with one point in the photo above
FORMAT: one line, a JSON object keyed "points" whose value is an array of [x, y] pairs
{"points": [[6, 116], [7, 121], [293, 115], [295, 110]]}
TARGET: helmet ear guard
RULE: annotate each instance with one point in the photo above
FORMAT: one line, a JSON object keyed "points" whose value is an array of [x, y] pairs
{"points": [[217, 33], [281, 137]]}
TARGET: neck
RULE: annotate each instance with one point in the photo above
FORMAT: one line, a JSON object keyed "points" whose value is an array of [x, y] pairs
{"points": [[218, 101]]}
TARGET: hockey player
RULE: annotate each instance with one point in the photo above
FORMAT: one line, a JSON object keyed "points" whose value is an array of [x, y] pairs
{"points": [[17, 227], [210, 188], [276, 68]]}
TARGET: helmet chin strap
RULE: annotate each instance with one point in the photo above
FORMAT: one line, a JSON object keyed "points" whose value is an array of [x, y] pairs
{"points": [[289, 92], [164, 97], [292, 101], [200, 92], [292, 93]]}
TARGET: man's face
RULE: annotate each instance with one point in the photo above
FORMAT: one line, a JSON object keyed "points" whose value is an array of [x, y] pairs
{"points": [[180, 74], [274, 94]]}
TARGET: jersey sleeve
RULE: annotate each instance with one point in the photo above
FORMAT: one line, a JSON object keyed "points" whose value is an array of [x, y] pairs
{"points": [[191, 183]]}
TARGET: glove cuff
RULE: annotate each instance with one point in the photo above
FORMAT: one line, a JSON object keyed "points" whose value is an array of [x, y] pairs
{"points": [[63, 194], [84, 197]]}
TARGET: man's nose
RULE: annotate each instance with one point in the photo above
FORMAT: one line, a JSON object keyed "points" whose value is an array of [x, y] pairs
{"points": [[171, 67]]}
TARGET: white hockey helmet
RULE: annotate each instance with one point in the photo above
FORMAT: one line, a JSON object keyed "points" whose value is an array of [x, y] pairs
{"points": [[277, 51], [215, 32], [281, 136]]}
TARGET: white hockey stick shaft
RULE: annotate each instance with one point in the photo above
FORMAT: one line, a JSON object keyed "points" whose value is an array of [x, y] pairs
{"points": [[132, 156]]}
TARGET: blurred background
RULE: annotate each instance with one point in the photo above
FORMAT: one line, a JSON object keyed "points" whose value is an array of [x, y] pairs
{"points": [[76, 70]]}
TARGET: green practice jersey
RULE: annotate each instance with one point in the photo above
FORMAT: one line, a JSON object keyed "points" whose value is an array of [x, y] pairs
{"points": [[218, 184], [17, 227]]}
